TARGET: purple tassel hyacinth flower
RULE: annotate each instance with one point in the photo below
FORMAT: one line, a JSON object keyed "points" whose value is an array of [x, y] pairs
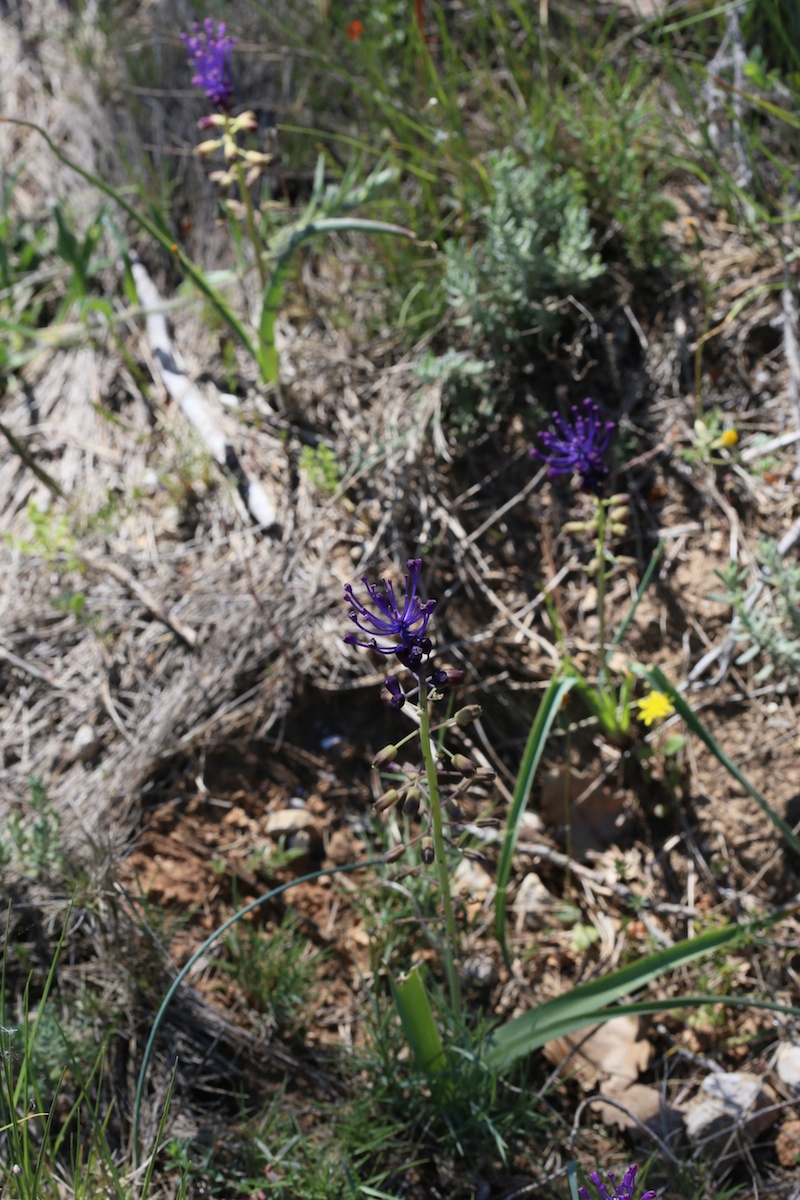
{"points": [[405, 626], [578, 445], [623, 1192], [209, 57]]}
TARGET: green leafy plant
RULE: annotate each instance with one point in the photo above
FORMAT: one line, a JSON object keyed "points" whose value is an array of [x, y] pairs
{"points": [[532, 246], [320, 465], [32, 843], [772, 626]]}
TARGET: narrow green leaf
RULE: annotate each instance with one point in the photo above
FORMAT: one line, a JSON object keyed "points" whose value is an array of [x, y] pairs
{"points": [[658, 680], [414, 1008], [580, 1007], [540, 729]]}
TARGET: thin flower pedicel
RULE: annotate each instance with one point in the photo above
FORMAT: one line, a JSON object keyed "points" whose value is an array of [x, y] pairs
{"points": [[623, 1192], [578, 445], [209, 57]]}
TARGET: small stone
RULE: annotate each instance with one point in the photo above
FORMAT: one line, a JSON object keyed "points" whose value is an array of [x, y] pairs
{"points": [[472, 880], [531, 826], [480, 972], [86, 744], [288, 821], [787, 1065], [533, 904], [734, 1109]]}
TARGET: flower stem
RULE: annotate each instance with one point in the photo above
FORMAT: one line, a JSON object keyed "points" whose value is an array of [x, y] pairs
{"points": [[600, 553], [250, 217], [451, 940]]}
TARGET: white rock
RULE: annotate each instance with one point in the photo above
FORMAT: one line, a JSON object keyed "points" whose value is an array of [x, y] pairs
{"points": [[288, 821], [734, 1108], [533, 904], [787, 1065], [471, 880], [86, 744]]}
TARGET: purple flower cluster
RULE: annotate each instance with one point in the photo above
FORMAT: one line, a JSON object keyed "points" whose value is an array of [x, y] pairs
{"points": [[401, 630], [209, 58], [623, 1192], [579, 445]]}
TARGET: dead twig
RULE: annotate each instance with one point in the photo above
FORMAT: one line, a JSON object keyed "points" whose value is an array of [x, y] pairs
{"points": [[143, 594]]}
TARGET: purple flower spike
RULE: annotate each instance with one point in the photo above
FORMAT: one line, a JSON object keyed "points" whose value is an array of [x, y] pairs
{"points": [[209, 58], [579, 445], [406, 625], [623, 1192]]}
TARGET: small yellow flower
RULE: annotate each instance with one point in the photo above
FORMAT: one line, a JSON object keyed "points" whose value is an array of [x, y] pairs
{"points": [[654, 706], [727, 439]]}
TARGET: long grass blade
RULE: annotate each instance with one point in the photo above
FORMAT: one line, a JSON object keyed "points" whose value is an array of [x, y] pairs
{"points": [[540, 729], [580, 1007]]}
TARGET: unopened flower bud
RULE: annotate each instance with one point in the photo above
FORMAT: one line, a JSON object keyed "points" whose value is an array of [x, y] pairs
{"points": [[212, 121], [256, 158], [620, 513], [384, 757], [427, 853], [576, 527], [411, 802], [466, 715], [387, 800], [462, 764], [454, 810], [618, 529], [246, 122], [618, 498], [486, 774], [593, 566], [231, 149], [396, 852], [208, 147]]}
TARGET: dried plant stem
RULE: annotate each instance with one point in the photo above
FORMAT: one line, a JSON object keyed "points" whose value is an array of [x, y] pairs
{"points": [[451, 939]]}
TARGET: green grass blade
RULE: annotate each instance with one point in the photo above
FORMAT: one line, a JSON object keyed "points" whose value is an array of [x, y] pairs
{"points": [[658, 680], [631, 613], [414, 1008], [579, 1007], [542, 724]]}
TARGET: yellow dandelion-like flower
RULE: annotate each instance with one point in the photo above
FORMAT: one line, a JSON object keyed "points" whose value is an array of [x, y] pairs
{"points": [[729, 438], [654, 706]]}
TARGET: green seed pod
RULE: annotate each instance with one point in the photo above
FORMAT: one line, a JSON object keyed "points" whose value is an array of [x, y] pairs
{"points": [[384, 757], [462, 764], [466, 715], [411, 802], [387, 800]]}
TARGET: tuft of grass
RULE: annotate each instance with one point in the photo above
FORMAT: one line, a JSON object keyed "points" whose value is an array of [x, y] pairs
{"points": [[276, 971]]}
